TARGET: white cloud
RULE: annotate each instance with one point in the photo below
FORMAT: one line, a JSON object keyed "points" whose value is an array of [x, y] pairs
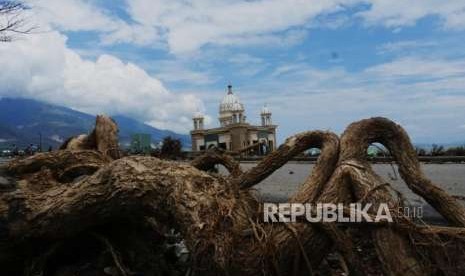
{"points": [[280, 39], [179, 71], [406, 45], [134, 34], [42, 67], [185, 26], [247, 65], [400, 13], [73, 15], [245, 59], [191, 24], [429, 101], [80, 15], [420, 67]]}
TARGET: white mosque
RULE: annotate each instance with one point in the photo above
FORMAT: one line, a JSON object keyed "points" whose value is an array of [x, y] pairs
{"points": [[234, 132]]}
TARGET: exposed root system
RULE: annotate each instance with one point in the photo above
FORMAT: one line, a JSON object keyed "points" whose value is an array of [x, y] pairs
{"points": [[83, 210]]}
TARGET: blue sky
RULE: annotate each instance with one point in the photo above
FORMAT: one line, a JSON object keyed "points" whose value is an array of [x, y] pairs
{"points": [[316, 64]]}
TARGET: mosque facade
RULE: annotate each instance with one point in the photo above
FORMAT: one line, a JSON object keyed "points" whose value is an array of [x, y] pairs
{"points": [[234, 132]]}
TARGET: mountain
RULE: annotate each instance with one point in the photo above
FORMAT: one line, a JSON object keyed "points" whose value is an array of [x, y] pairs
{"points": [[128, 126], [23, 121]]}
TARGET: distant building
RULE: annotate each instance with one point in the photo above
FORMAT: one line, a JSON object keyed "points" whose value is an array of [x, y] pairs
{"points": [[141, 143], [234, 132]]}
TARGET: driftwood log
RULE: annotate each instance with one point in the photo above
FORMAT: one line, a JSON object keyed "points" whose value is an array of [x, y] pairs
{"points": [[104, 138], [83, 210]]}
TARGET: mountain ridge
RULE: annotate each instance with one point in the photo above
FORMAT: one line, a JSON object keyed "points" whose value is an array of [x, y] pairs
{"points": [[23, 121]]}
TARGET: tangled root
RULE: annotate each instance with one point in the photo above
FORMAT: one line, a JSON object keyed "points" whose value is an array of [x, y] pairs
{"points": [[84, 207]]}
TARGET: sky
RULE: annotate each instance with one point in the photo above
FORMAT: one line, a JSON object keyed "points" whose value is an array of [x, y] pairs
{"points": [[316, 64]]}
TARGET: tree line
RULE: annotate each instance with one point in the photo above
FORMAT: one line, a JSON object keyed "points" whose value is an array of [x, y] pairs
{"points": [[438, 150]]}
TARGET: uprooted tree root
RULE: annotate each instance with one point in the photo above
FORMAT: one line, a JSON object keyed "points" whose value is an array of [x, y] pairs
{"points": [[83, 210]]}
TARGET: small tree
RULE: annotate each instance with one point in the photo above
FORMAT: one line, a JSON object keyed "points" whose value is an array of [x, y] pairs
{"points": [[437, 150], [420, 151], [171, 148], [456, 151]]}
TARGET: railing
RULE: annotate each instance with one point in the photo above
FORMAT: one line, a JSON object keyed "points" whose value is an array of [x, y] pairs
{"points": [[387, 159]]}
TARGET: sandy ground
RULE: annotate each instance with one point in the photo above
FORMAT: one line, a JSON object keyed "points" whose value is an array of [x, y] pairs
{"points": [[286, 180]]}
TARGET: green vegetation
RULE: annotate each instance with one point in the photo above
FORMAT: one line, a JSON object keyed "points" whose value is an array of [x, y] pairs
{"points": [[438, 150]]}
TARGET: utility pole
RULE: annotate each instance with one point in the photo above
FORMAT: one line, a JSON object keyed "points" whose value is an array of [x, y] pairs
{"points": [[40, 141]]}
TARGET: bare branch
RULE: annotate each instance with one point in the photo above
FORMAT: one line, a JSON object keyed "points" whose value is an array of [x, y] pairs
{"points": [[12, 20]]}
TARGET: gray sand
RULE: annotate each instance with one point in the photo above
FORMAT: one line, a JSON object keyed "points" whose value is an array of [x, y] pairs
{"points": [[281, 184]]}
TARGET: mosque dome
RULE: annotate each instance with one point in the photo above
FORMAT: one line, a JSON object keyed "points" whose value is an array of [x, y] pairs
{"points": [[231, 102]]}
